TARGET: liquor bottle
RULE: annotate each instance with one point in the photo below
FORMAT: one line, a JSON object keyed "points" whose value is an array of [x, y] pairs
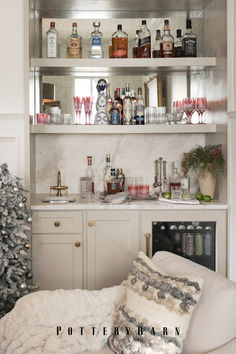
{"points": [[108, 101], [74, 43], [185, 186], [167, 42], [199, 241], [96, 46], [52, 41], [178, 44], [106, 173], [127, 107], [189, 41], [181, 229], [113, 185], [119, 43], [144, 43], [90, 172], [114, 114], [135, 45], [175, 183], [123, 93], [139, 108], [133, 105], [156, 53], [119, 104], [120, 178]]}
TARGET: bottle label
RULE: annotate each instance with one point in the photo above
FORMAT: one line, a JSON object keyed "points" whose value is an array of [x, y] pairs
{"points": [[108, 108], [52, 45], [139, 110], [120, 47], [145, 47], [184, 183], [115, 118], [73, 50], [133, 109], [97, 41], [127, 110], [190, 47], [167, 49]]}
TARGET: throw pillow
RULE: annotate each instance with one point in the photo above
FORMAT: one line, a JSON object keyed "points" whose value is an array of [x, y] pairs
{"points": [[154, 314]]}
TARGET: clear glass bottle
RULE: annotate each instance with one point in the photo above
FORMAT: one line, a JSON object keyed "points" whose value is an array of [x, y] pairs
{"points": [[133, 105], [135, 45], [175, 183], [113, 185], [178, 44], [114, 114], [167, 42], [189, 241], [107, 173], [90, 172], [198, 241], [185, 186], [108, 101], [74, 43], [208, 241], [140, 108], [189, 41], [96, 45], [127, 107], [156, 52], [119, 101], [52, 41], [119, 43], [144, 43]]}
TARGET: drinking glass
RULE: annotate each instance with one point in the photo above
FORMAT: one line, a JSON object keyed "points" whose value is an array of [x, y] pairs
{"points": [[189, 108], [201, 106], [78, 102]]}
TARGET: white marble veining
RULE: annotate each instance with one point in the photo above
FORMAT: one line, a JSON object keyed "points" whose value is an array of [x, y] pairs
{"points": [[134, 153]]}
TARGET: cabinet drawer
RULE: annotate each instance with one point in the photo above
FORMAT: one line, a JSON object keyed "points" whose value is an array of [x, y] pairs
{"points": [[57, 222]]}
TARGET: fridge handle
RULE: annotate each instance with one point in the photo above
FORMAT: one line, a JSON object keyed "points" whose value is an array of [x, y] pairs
{"points": [[148, 237]]}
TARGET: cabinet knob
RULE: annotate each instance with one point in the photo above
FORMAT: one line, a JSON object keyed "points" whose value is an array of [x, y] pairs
{"points": [[77, 244], [91, 223], [148, 237], [57, 223]]}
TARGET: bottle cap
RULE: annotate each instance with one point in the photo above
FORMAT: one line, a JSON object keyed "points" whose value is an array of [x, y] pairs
{"points": [[74, 24], [144, 22], [119, 27], [52, 24], [188, 23], [178, 33], [96, 24]]}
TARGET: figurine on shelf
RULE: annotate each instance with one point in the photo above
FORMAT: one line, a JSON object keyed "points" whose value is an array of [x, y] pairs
{"points": [[101, 115]]}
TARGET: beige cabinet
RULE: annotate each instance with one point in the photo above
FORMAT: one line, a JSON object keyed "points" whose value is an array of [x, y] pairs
{"points": [[112, 244], [57, 250]]}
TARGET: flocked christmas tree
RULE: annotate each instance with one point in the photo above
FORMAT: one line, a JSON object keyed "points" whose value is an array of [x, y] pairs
{"points": [[15, 218]]}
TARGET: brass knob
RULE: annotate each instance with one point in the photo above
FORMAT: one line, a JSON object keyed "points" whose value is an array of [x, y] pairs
{"points": [[57, 223], [77, 244], [91, 223], [148, 237]]}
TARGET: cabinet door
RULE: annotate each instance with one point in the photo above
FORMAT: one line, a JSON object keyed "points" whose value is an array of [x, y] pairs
{"points": [[112, 244], [57, 261]]}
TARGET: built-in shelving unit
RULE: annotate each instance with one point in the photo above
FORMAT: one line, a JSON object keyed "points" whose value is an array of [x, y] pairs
{"points": [[128, 65], [128, 129]]}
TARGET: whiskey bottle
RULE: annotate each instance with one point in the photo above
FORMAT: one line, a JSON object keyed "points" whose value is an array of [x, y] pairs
{"points": [[74, 43], [133, 106], [113, 185], [178, 44], [96, 45], [189, 41], [107, 173], [156, 53], [175, 183], [140, 108], [90, 172], [144, 44], [114, 114], [167, 42], [127, 107], [135, 45], [108, 102], [119, 104], [52, 41], [119, 43]]}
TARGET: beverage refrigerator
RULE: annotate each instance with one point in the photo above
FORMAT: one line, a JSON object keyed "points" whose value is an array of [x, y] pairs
{"points": [[197, 235]]}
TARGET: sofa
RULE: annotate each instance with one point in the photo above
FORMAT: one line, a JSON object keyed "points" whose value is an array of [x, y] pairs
{"points": [[31, 326]]}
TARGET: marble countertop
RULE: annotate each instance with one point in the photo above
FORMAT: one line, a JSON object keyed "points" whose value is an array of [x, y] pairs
{"points": [[95, 203]]}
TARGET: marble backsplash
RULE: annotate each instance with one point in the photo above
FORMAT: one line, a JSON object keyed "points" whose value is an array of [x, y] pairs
{"points": [[134, 153]]}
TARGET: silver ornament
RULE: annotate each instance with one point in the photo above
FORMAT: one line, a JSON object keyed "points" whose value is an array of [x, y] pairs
{"points": [[29, 219], [24, 199], [29, 275], [3, 232], [21, 205], [24, 267], [23, 286], [15, 189]]}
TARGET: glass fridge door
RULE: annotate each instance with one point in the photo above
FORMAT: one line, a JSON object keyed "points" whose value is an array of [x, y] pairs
{"points": [[192, 240]]}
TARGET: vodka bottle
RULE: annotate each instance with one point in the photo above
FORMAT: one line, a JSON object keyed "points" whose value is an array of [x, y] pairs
{"points": [[96, 46]]}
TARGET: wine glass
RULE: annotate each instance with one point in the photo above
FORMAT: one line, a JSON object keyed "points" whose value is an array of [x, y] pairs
{"points": [[88, 102], [189, 108], [201, 106], [78, 101]]}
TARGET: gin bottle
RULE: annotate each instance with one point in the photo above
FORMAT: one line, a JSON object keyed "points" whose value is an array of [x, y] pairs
{"points": [[52, 41], [74, 43], [96, 46]]}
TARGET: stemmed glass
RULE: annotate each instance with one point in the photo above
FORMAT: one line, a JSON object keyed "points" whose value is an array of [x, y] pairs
{"points": [[201, 106], [189, 108], [78, 101], [88, 102]]}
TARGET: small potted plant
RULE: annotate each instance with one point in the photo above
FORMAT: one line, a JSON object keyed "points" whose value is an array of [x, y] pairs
{"points": [[209, 160]]}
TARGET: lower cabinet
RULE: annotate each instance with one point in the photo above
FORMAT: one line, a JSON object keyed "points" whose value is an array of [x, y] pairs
{"points": [[112, 244]]}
